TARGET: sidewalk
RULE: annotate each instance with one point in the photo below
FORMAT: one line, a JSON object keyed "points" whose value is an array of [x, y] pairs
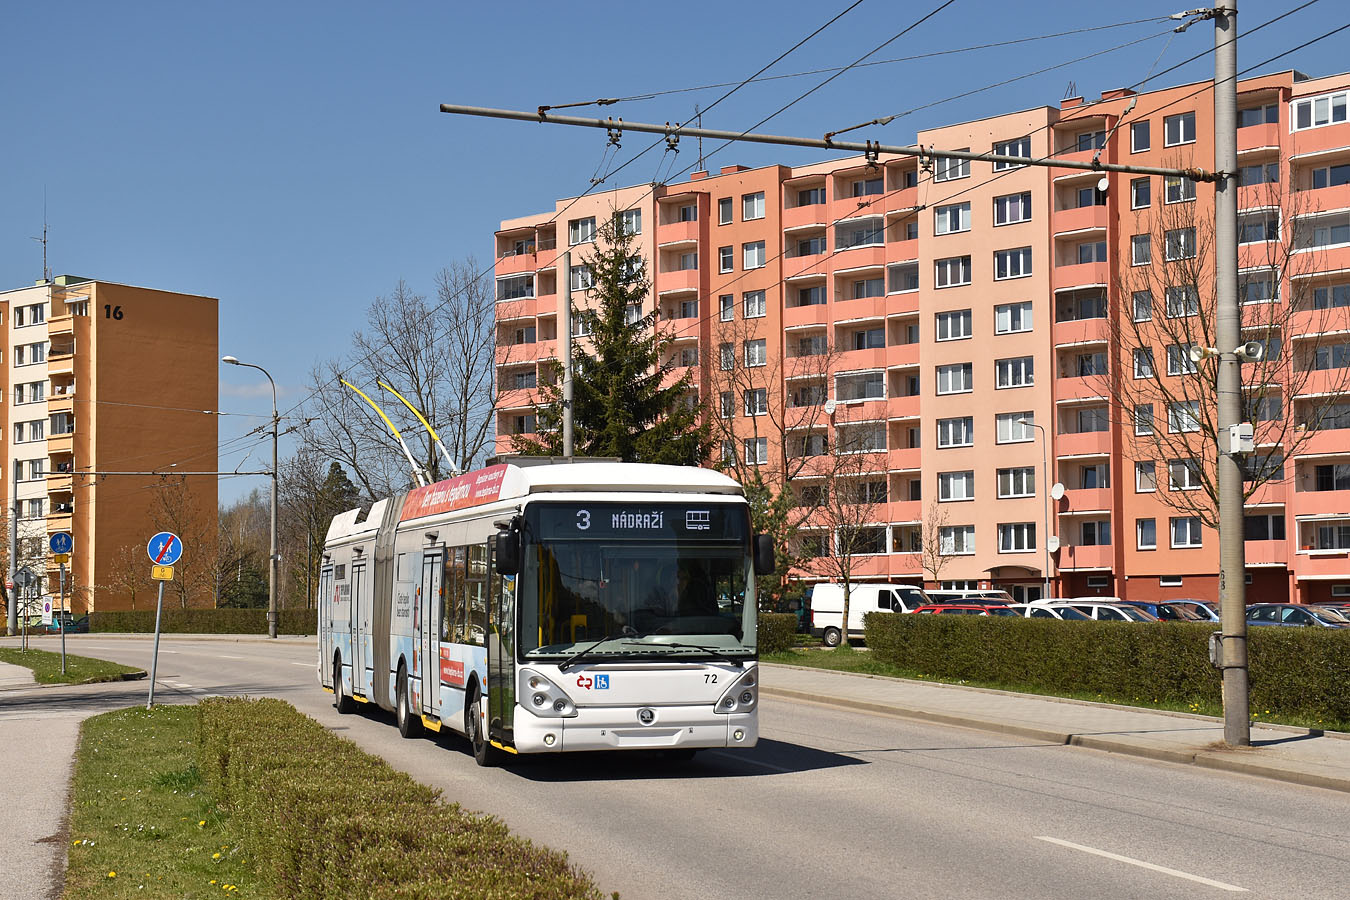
{"points": [[1278, 752]]}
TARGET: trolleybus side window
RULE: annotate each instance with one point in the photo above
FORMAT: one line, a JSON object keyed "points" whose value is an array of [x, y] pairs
{"points": [[475, 595], [452, 620]]}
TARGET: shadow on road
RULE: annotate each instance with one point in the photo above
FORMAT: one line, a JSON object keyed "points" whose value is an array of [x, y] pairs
{"points": [[766, 758]]}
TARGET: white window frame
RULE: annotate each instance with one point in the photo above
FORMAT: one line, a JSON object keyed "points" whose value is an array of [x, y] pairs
{"points": [[1178, 189], [1016, 147], [753, 255], [756, 353], [1008, 205], [726, 259], [756, 402], [1194, 532], [1018, 317], [726, 307], [1143, 362], [1189, 471], [955, 378], [1140, 542], [1017, 537], [1014, 372], [756, 450], [958, 325], [753, 304], [956, 487], [1141, 249], [1011, 476], [1179, 360], [1012, 263], [951, 219], [1135, 184], [1140, 130], [1145, 477], [1183, 133], [956, 540], [944, 270], [948, 169], [1014, 428], [726, 210], [1144, 424], [958, 431], [581, 231], [752, 206], [1176, 424]]}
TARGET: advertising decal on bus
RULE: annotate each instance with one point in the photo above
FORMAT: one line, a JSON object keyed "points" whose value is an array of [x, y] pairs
{"points": [[452, 670], [460, 492]]}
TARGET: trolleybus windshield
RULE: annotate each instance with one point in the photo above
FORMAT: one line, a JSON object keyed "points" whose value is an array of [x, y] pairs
{"points": [[660, 579]]}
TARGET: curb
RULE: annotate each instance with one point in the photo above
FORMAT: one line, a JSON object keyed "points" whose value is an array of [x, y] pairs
{"points": [[125, 676], [1220, 760]]}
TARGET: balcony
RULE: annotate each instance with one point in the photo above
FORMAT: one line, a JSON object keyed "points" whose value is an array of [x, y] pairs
{"points": [[1083, 443], [811, 265], [1082, 219], [60, 443], [1081, 275], [60, 483], [903, 460], [1313, 140], [1323, 199], [676, 234], [58, 325], [902, 202], [902, 304], [902, 355], [1324, 442], [1076, 556], [902, 251], [855, 360], [902, 407], [796, 217], [906, 511], [1330, 259], [810, 366], [1265, 553], [518, 399], [849, 309], [1321, 503], [1082, 500], [1082, 331], [519, 308], [61, 403], [1259, 137], [1269, 494], [682, 281], [511, 263], [61, 361], [865, 256], [59, 521], [1322, 564], [1322, 382], [816, 314], [1077, 389], [1310, 323]]}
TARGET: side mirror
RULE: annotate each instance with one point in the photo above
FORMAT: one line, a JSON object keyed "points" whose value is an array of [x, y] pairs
{"points": [[508, 551], [764, 559]]}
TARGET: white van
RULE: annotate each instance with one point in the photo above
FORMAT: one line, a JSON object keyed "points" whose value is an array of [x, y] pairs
{"points": [[827, 606]]}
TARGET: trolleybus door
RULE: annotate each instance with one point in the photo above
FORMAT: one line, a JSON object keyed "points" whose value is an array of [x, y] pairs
{"points": [[430, 639], [501, 655], [326, 604], [360, 628]]}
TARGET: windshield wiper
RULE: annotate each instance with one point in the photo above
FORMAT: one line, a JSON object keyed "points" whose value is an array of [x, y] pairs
{"points": [[715, 651], [625, 631]]}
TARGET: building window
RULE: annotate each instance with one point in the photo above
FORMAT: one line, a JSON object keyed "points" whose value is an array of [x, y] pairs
{"points": [[729, 452], [953, 326], [1012, 263], [1139, 137], [1183, 416], [952, 271], [1179, 243], [687, 213], [755, 353], [956, 540], [1092, 419], [581, 231], [862, 438], [516, 287], [1146, 534], [726, 356], [860, 386], [1091, 252], [1014, 428], [1096, 533], [868, 287], [1178, 189], [811, 196], [580, 278], [953, 486], [1185, 532], [524, 381], [726, 259], [811, 296], [1183, 301], [1012, 208], [1259, 227], [688, 309], [903, 277], [869, 232], [1019, 481], [1143, 362], [955, 379], [951, 219], [1316, 112], [1017, 537], [1184, 475], [957, 432], [868, 187], [753, 255], [1089, 364], [813, 246], [1259, 286], [1269, 173], [1141, 249], [630, 220], [1324, 177], [1089, 141], [1019, 147], [1012, 317], [756, 451], [1263, 528], [757, 402], [726, 307], [1141, 194], [1259, 115], [753, 302], [1179, 360], [1014, 373], [1179, 129], [1145, 477], [688, 356], [752, 206], [869, 339], [727, 405], [951, 169], [724, 211], [1143, 419]]}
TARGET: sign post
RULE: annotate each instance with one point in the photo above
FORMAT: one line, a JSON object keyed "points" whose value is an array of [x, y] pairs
{"points": [[60, 544], [164, 550], [23, 578]]}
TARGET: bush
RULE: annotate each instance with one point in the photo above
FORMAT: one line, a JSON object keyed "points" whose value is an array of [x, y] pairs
{"points": [[203, 621], [1295, 672], [282, 776], [777, 631]]}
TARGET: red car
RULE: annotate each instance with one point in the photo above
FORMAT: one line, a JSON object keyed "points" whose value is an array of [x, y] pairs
{"points": [[965, 609]]}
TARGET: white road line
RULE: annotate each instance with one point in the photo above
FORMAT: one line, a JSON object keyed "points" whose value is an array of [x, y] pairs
{"points": [[227, 656], [180, 685], [303, 665], [1146, 865]]}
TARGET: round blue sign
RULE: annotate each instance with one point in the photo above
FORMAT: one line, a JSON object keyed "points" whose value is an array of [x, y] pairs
{"points": [[60, 542], [165, 548]]}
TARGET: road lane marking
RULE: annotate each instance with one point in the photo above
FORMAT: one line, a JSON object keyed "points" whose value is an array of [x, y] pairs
{"points": [[1146, 865], [227, 656], [303, 665]]}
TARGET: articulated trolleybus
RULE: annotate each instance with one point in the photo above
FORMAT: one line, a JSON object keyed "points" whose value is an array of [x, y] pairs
{"points": [[547, 608]]}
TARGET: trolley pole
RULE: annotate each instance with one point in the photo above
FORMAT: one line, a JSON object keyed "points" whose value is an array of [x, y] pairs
{"points": [[565, 351]]}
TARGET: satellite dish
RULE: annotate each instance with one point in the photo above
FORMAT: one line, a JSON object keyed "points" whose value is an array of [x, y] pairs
{"points": [[1057, 490], [1103, 184], [1052, 543], [829, 407]]}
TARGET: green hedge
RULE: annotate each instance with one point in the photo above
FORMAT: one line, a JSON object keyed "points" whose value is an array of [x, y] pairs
{"points": [[204, 621], [1295, 672], [325, 821], [777, 632]]}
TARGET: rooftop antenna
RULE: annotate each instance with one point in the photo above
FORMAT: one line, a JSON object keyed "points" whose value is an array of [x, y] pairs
{"points": [[1071, 90], [46, 272], [698, 117]]}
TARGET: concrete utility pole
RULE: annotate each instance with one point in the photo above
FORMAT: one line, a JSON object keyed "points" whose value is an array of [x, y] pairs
{"points": [[565, 351], [273, 558], [1228, 335]]}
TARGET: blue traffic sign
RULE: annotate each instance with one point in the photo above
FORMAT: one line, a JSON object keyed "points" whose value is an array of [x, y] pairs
{"points": [[165, 548], [60, 542]]}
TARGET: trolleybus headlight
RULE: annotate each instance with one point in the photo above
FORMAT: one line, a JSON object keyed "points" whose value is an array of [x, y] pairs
{"points": [[546, 698], [739, 697]]}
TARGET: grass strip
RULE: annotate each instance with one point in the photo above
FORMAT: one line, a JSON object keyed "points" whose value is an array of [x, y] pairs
{"points": [[46, 666], [848, 659], [141, 823]]}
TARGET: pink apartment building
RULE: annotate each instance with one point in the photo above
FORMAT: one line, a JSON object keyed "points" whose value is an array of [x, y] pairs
{"points": [[973, 325]]}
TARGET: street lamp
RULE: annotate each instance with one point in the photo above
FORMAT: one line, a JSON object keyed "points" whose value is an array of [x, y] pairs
{"points": [[1045, 496], [273, 558]]}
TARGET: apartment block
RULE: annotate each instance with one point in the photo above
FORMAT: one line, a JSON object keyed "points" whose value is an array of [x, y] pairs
{"points": [[981, 332], [105, 380]]}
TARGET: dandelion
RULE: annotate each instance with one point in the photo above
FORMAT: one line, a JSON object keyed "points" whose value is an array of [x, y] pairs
{"points": [[213, 881], [201, 824], [112, 874], [215, 856]]}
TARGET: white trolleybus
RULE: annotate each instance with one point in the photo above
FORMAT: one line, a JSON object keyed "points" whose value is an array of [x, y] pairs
{"points": [[548, 608]]}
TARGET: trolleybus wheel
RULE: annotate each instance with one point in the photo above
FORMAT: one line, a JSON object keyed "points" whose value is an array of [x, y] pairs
{"points": [[341, 702], [409, 722], [483, 752], [832, 637]]}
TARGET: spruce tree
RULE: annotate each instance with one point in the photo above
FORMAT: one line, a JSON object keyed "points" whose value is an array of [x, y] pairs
{"points": [[620, 408]]}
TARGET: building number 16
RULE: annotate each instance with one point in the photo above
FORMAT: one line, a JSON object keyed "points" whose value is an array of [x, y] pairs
{"points": [[111, 312]]}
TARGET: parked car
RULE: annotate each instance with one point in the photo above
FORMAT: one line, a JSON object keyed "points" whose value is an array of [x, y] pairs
{"points": [[72, 625], [1101, 610], [981, 598], [1294, 614], [1035, 610], [827, 606], [965, 609], [1176, 610]]}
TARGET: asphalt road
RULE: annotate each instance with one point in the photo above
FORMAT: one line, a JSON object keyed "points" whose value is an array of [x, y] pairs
{"points": [[832, 803]]}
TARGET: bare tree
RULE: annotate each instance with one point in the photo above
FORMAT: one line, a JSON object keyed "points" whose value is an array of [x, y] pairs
{"points": [[851, 502], [440, 356], [175, 509], [128, 574], [1166, 395], [934, 553]]}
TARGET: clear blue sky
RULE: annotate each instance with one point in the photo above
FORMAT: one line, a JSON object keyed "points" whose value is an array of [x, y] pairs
{"points": [[290, 159]]}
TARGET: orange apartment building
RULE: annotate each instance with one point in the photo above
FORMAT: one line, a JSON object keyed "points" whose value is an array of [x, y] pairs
{"points": [[978, 324], [105, 378]]}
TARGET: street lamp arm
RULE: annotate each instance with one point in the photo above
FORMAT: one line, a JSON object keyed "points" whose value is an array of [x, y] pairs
{"points": [[273, 558]]}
